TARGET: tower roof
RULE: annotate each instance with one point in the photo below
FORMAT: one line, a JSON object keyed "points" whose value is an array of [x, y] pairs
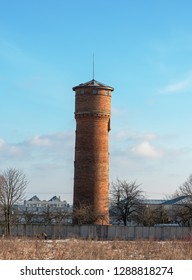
{"points": [[55, 198], [93, 84], [34, 198]]}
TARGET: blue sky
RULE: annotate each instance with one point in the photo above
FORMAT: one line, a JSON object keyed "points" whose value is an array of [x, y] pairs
{"points": [[142, 48]]}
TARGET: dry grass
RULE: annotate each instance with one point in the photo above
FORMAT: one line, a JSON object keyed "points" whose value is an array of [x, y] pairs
{"points": [[73, 249]]}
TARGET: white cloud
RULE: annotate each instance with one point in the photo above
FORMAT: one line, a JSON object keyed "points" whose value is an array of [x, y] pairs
{"points": [[145, 149], [55, 144], [125, 135], [126, 144], [118, 112], [42, 141], [7, 149], [143, 136], [47, 161], [178, 86], [2, 144]]}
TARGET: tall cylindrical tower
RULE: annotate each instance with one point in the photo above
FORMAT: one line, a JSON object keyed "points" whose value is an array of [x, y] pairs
{"points": [[91, 166]]}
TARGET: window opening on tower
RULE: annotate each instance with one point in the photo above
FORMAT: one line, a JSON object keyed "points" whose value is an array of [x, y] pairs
{"points": [[95, 91], [109, 125]]}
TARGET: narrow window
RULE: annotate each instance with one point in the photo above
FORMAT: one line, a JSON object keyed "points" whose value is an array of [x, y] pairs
{"points": [[109, 125], [95, 91], [82, 91]]}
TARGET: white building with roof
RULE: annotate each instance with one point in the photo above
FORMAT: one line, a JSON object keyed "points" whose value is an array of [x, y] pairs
{"points": [[54, 202], [35, 210]]}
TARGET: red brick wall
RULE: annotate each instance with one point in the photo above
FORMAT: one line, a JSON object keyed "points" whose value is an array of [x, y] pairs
{"points": [[93, 102], [91, 181]]}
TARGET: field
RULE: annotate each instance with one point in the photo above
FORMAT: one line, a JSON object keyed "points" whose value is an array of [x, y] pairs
{"points": [[76, 249]]}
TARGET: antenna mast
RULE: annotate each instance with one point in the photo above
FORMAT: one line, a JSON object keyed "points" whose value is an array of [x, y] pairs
{"points": [[93, 67]]}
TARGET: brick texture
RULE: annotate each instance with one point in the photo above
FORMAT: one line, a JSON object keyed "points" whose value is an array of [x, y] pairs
{"points": [[91, 166]]}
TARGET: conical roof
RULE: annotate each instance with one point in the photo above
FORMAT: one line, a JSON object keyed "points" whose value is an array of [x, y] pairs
{"points": [[93, 84]]}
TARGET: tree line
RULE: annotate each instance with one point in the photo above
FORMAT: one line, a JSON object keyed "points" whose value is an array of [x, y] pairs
{"points": [[127, 204]]}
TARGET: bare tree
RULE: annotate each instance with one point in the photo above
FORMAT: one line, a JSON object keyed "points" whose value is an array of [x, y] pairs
{"points": [[47, 215], [152, 215], [85, 214], [12, 187], [126, 201], [63, 216], [186, 187], [28, 216], [183, 211]]}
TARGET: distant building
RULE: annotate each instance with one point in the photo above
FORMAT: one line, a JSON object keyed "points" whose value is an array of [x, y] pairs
{"points": [[165, 211], [35, 203], [50, 211], [180, 200]]}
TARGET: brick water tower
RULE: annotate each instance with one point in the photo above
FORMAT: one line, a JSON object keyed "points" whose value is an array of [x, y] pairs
{"points": [[91, 166]]}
